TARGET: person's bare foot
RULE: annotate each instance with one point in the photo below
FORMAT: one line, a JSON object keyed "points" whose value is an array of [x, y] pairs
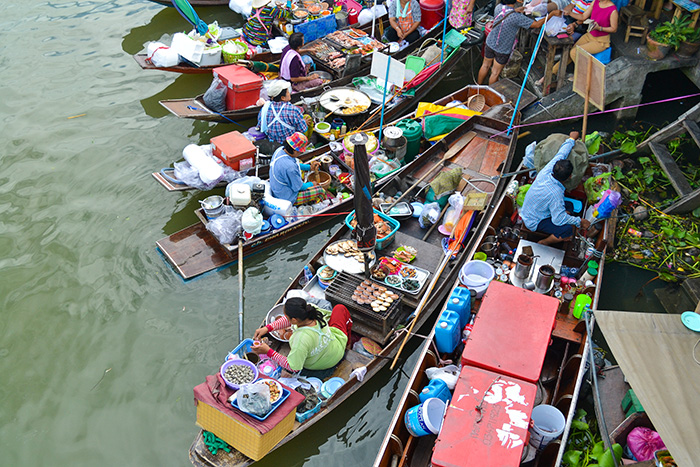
{"points": [[539, 82], [552, 239]]}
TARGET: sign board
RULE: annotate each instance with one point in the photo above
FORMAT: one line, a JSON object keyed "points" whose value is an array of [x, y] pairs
{"points": [[596, 94], [380, 62]]}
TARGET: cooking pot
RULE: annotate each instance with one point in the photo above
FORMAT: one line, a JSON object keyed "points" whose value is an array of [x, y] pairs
{"points": [[393, 137], [213, 206], [345, 101]]}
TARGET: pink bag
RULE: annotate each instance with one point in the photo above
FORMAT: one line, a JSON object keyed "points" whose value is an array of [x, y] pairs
{"points": [[642, 443]]}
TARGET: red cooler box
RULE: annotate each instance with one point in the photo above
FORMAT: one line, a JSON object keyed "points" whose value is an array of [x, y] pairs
{"points": [[511, 331], [501, 435], [432, 12], [236, 149], [243, 86]]}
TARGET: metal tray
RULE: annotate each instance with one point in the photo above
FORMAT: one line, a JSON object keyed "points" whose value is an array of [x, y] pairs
{"points": [[342, 263], [422, 276]]}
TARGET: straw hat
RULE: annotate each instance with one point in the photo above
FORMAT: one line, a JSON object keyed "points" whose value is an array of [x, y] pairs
{"points": [[260, 3]]}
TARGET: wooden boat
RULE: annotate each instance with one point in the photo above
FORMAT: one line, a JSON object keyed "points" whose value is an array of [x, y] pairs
{"points": [[560, 378], [494, 107], [196, 109], [473, 153], [196, 3]]}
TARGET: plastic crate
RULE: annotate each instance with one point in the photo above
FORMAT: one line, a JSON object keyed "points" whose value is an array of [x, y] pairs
{"points": [[304, 416], [317, 28], [285, 394], [246, 346], [383, 242]]}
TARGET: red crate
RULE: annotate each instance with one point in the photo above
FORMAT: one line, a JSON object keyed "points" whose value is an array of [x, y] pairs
{"points": [[243, 86], [512, 330], [236, 149], [502, 433]]}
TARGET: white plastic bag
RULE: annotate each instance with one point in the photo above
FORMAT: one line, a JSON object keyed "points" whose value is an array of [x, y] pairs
{"points": [[254, 398], [555, 26], [429, 215], [161, 55], [449, 374], [187, 47], [209, 171], [453, 213], [242, 7], [252, 221]]}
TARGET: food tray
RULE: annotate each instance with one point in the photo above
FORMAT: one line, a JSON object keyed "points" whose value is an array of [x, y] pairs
{"points": [[285, 394], [342, 263], [412, 256], [421, 276]]}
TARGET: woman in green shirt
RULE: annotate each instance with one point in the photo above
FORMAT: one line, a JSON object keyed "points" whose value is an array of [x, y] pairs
{"points": [[315, 347]]}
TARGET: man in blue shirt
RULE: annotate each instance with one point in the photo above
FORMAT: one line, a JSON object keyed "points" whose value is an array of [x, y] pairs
{"points": [[285, 173], [543, 207]]}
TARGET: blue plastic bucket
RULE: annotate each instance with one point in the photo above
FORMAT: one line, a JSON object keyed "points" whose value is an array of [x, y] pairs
{"points": [[425, 418]]}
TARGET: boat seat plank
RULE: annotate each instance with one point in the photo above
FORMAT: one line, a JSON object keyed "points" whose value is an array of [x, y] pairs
{"points": [[686, 204], [565, 328], [181, 107], [471, 156], [351, 361], [495, 154], [693, 130], [510, 89], [194, 251]]}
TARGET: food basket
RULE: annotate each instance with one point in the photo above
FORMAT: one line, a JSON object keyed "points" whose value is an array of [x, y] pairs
{"points": [[304, 416], [381, 242], [237, 361], [233, 51]]}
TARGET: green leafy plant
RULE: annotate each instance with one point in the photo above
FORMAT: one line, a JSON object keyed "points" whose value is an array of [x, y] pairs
{"points": [[671, 32], [585, 446]]}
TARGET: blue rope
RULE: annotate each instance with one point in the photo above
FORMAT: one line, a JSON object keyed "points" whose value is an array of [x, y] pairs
{"points": [[386, 86], [169, 178], [444, 28], [527, 73]]}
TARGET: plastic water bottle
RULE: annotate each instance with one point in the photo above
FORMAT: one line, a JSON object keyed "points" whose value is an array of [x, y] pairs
{"points": [[307, 274]]}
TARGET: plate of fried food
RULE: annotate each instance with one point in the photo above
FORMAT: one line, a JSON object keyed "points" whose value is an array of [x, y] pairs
{"points": [[345, 256]]}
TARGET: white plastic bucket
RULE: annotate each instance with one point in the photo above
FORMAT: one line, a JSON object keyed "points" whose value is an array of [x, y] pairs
{"points": [[425, 418], [547, 424], [477, 275]]}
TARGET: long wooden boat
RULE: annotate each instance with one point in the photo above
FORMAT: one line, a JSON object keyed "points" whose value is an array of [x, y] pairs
{"points": [[481, 155], [560, 379], [195, 3], [194, 250], [195, 108]]}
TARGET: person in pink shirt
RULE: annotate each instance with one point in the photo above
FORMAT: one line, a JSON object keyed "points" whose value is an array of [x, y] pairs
{"points": [[604, 16]]}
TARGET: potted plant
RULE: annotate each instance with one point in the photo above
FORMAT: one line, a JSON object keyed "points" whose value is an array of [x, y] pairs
{"points": [[662, 39], [690, 42]]}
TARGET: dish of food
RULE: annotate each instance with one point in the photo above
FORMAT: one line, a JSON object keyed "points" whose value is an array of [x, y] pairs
{"points": [[275, 389], [300, 14], [379, 272], [393, 280], [405, 253], [408, 272], [410, 285]]}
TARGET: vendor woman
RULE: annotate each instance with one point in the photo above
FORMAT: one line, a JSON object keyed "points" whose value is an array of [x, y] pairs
{"points": [[258, 29], [319, 342], [404, 18], [292, 67], [285, 173], [279, 118]]}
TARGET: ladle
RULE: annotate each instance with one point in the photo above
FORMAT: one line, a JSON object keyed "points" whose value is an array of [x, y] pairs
{"points": [[530, 285]]}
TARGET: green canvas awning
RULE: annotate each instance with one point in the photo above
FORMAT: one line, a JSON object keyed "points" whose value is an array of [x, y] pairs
{"points": [[655, 352]]}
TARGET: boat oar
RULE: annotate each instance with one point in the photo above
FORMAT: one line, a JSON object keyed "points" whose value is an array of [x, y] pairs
{"points": [[456, 148], [240, 289], [425, 298]]}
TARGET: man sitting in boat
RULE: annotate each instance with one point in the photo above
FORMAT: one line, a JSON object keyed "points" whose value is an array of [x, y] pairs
{"points": [[285, 173], [315, 347], [258, 29], [404, 18], [279, 118], [293, 68], [543, 207]]}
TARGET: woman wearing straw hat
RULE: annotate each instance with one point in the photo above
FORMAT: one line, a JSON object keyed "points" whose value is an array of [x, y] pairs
{"points": [[258, 29], [285, 173]]}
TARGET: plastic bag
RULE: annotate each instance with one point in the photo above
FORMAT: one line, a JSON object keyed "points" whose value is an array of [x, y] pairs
{"points": [[449, 374], [596, 186], [642, 443], [555, 25], [454, 212], [227, 227], [209, 170], [252, 221], [215, 97], [242, 7], [611, 199], [254, 398], [161, 55], [522, 191], [429, 215]]}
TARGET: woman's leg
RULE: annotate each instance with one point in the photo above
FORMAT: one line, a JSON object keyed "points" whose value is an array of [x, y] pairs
{"points": [[414, 36], [311, 195], [391, 35], [484, 70], [340, 319]]}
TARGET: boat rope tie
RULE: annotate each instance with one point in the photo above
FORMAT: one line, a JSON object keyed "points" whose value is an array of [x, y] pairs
{"points": [[480, 407], [574, 117]]}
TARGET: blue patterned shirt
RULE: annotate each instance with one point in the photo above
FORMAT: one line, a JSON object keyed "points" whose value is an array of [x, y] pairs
{"points": [[545, 198], [290, 119]]}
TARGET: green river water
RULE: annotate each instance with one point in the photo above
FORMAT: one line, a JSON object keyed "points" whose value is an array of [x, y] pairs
{"points": [[100, 342]]}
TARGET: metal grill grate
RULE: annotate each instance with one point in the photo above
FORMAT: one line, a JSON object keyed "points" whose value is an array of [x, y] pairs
{"points": [[341, 290]]}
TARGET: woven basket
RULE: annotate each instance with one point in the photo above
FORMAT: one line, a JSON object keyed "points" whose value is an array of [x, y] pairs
{"points": [[476, 102], [233, 57]]}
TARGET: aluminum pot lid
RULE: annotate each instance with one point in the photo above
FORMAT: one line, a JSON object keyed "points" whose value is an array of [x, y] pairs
{"points": [[393, 132]]}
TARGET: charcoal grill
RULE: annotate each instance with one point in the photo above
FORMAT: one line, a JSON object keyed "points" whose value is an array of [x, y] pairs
{"points": [[340, 292]]}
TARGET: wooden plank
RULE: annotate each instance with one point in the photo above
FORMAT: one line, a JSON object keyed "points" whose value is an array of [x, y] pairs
{"points": [[677, 178], [495, 154], [685, 204], [564, 328], [692, 287], [510, 89], [693, 130], [473, 155], [194, 251]]}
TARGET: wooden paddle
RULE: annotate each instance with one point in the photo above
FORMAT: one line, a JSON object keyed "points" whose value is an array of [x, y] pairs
{"points": [[453, 151]]}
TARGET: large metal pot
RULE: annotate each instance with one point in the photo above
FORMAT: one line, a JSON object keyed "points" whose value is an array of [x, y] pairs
{"points": [[345, 101]]}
